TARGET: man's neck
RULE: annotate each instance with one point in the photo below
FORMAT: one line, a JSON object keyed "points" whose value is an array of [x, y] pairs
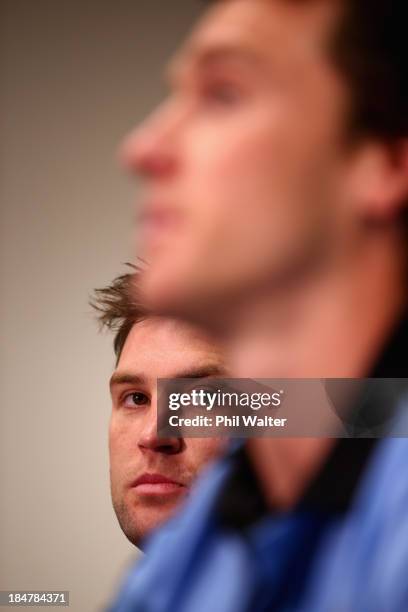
{"points": [[336, 327]]}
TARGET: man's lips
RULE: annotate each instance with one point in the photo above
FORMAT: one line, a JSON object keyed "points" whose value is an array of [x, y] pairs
{"points": [[157, 484]]}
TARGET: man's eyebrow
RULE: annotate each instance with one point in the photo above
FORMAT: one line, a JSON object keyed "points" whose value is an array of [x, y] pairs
{"points": [[208, 56], [204, 371], [122, 378]]}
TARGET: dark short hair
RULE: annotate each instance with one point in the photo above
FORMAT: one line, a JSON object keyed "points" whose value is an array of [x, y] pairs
{"points": [[119, 307], [370, 48]]}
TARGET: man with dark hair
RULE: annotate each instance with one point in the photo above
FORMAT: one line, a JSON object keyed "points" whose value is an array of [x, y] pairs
{"points": [[275, 213], [150, 475]]}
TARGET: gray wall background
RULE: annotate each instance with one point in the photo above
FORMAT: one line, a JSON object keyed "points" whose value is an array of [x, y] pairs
{"points": [[74, 77]]}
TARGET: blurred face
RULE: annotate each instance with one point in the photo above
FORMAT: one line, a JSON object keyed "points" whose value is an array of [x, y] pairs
{"points": [[150, 476], [243, 166]]}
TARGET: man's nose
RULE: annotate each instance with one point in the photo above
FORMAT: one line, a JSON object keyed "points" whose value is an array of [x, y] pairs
{"points": [[150, 150], [150, 441]]}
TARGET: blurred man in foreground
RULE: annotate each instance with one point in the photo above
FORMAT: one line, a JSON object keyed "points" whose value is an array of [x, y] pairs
{"points": [[150, 475], [276, 197]]}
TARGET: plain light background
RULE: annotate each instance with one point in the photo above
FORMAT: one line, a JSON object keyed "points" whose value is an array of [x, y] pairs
{"points": [[75, 76]]}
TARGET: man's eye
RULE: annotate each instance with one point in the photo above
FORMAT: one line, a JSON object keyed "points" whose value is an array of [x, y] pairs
{"points": [[222, 93], [135, 399]]}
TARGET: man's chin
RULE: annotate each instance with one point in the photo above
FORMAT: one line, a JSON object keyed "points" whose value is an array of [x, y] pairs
{"points": [[168, 292], [142, 525], [190, 293]]}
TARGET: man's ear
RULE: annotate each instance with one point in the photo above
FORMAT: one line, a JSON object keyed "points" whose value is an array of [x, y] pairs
{"points": [[380, 179]]}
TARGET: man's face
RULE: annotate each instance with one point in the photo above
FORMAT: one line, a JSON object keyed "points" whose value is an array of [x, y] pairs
{"points": [[150, 476], [244, 161]]}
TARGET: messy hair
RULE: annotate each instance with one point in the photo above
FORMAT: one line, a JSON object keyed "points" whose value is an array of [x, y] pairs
{"points": [[119, 307]]}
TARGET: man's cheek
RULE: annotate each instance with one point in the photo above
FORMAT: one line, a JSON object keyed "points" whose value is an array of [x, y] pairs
{"points": [[120, 445], [243, 154], [235, 183]]}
